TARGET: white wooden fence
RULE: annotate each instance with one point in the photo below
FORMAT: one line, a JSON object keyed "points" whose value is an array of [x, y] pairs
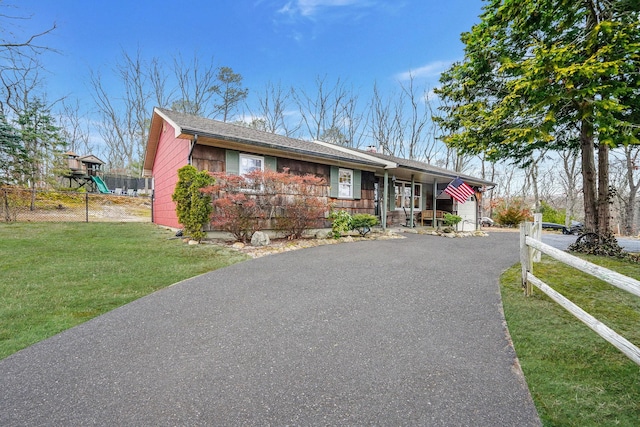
{"points": [[530, 248]]}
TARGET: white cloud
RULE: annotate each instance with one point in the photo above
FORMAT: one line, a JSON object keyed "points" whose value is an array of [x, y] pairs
{"points": [[433, 69], [309, 8]]}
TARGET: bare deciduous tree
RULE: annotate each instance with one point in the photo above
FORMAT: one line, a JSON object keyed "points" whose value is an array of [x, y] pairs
{"points": [[74, 128], [532, 169], [124, 125], [570, 181], [454, 160], [20, 64], [625, 179], [143, 85], [331, 110], [384, 124], [432, 147], [194, 82], [273, 103], [418, 116]]}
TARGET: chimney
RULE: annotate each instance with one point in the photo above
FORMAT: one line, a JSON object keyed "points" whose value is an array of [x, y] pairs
{"points": [[372, 149]]}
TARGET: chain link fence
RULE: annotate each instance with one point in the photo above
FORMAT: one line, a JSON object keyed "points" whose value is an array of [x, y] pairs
{"points": [[25, 205]]}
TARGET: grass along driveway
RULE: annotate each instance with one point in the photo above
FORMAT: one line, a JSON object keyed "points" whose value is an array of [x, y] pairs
{"points": [[54, 276], [575, 377]]}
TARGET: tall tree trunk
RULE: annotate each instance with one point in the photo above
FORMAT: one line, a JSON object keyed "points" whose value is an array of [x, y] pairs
{"points": [[604, 220], [631, 157], [588, 176], [569, 162]]}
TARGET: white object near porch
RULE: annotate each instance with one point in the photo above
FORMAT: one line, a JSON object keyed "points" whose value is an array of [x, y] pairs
{"points": [[467, 211]]}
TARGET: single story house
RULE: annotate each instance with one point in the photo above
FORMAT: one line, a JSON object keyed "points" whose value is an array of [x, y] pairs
{"points": [[359, 181]]}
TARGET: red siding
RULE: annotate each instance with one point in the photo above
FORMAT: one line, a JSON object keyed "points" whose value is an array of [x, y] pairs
{"points": [[171, 155]]}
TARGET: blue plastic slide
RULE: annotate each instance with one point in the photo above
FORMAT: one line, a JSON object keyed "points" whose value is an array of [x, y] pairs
{"points": [[102, 187]]}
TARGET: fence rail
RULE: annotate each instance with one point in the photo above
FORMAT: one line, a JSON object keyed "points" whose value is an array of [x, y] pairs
{"points": [[529, 245], [25, 205]]}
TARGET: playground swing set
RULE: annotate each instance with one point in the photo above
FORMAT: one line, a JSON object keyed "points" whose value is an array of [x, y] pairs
{"points": [[84, 170]]}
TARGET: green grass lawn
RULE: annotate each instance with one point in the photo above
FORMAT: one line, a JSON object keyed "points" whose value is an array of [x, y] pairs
{"points": [[56, 275], [575, 377]]}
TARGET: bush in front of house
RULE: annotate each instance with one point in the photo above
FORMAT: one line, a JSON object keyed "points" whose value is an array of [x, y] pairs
{"points": [[340, 223], [288, 203], [193, 204], [237, 214], [363, 223], [451, 220], [300, 201], [300, 214]]}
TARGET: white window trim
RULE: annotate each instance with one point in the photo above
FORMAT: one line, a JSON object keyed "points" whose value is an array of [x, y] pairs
{"points": [[240, 172], [350, 171], [417, 195], [249, 156]]}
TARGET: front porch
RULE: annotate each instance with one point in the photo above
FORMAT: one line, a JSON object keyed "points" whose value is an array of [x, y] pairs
{"points": [[419, 200]]}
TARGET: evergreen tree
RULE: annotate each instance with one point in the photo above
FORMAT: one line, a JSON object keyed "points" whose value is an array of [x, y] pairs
{"points": [[552, 75], [193, 206], [42, 142], [12, 153]]}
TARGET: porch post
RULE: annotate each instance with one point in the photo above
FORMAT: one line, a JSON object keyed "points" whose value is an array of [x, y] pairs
{"points": [[383, 209], [435, 196], [413, 184]]}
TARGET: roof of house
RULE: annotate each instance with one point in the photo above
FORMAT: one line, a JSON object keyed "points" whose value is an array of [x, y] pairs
{"points": [[188, 125], [426, 167], [393, 162]]}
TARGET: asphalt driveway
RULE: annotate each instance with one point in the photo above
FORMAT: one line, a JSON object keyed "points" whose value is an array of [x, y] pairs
{"points": [[389, 332]]}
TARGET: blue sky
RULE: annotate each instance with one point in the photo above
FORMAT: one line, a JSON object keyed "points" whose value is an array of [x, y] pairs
{"points": [[287, 41]]}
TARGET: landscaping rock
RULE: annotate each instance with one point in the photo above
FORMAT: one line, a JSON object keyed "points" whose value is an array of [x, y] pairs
{"points": [[238, 245], [193, 242], [260, 238]]}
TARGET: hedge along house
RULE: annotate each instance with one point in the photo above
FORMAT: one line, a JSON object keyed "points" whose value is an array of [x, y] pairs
{"points": [[357, 181]]}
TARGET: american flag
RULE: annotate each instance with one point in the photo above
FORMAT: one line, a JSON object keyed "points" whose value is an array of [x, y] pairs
{"points": [[459, 190]]}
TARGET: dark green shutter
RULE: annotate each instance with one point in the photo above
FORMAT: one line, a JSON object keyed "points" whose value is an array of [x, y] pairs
{"points": [[270, 163], [334, 182], [232, 162], [357, 184]]}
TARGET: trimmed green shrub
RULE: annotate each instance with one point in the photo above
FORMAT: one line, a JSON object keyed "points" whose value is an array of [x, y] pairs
{"points": [[341, 223], [451, 220], [363, 223], [193, 206]]}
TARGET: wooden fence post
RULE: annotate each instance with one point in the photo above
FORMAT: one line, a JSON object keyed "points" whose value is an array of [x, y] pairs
{"points": [[525, 257], [536, 233]]}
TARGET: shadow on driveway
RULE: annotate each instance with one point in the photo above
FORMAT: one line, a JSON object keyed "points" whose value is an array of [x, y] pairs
{"points": [[390, 332]]}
